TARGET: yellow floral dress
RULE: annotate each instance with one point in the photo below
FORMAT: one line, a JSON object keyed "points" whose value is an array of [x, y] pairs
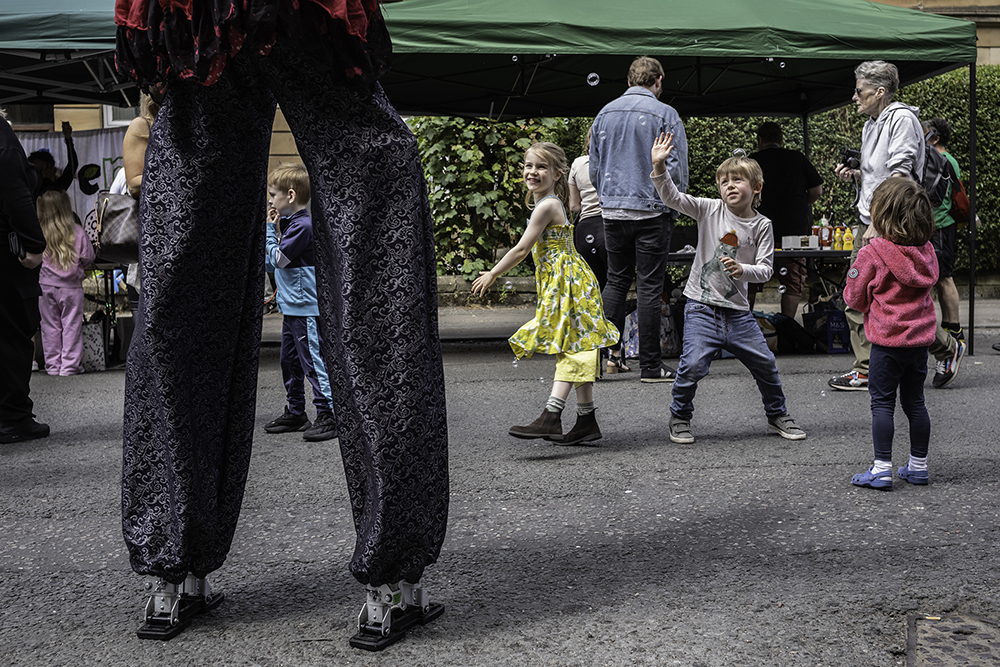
{"points": [[569, 317]]}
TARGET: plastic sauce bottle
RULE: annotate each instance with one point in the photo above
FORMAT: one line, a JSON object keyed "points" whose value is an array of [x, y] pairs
{"points": [[838, 239], [825, 235], [848, 239]]}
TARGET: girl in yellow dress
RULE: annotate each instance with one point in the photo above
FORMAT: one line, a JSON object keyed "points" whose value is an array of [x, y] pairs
{"points": [[569, 318]]}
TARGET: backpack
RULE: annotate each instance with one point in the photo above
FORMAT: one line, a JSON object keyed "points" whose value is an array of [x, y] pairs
{"points": [[937, 175], [960, 206]]}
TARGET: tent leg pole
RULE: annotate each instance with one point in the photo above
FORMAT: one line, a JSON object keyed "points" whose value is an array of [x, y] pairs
{"points": [[972, 208]]}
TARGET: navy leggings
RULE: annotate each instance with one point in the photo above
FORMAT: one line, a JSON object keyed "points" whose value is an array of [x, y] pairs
{"points": [[905, 368]]}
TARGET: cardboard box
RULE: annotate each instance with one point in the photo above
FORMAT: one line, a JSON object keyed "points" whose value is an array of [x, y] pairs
{"points": [[807, 241]]}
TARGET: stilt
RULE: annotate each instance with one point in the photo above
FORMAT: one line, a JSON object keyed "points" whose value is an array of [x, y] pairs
{"points": [[389, 611], [171, 607]]}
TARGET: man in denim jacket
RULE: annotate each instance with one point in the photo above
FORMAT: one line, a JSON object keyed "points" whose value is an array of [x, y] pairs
{"points": [[637, 224]]}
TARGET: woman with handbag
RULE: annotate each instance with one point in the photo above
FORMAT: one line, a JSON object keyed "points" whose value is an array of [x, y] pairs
{"points": [[134, 159]]}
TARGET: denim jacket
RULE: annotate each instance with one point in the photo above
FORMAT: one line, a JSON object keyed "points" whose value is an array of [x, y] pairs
{"points": [[620, 142]]}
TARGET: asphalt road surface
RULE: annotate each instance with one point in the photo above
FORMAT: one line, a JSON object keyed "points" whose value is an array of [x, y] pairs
{"points": [[740, 549]]}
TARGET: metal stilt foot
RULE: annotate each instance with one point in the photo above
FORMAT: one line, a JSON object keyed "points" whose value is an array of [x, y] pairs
{"points": [[389, 611], [171, 607]]}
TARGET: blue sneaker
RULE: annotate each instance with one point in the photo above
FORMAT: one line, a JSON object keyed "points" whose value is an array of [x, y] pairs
{"points": [[913, 476], [881, 481]]}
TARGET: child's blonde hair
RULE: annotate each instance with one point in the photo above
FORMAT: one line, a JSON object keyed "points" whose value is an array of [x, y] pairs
{"points": [[555, 157], [55, 215], [901, 212], [745, 167], [291, 176]]}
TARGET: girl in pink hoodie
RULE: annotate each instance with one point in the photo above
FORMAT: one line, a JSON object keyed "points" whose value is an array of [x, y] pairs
{"points": [[890, 282], [61, 304]]}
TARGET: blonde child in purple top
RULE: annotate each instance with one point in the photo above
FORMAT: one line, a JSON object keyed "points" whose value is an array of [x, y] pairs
{"points": [[61, 279], [890, 282]]}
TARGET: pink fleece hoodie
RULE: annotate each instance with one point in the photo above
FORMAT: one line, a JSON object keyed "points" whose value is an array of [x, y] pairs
{"points": [[891, 284]]}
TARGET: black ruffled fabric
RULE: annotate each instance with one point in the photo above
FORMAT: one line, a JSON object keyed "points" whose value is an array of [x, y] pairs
{"points": [[197, 48]]}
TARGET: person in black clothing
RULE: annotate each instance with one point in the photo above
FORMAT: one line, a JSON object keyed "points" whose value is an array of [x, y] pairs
{"points": [[791, 186], [45, 166], [20, 259]]}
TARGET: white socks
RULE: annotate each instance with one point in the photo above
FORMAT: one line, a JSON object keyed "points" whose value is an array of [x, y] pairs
{"points": [[917, 464], [881, 466]]}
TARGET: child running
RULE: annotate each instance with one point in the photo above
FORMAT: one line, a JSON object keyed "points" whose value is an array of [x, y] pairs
{"points": [[890, 282], [569, 318], [734, 246], [68, 251]]}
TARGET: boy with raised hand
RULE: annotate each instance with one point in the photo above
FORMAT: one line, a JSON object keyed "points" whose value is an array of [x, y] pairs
{"points": [[735, 245], [292, 258]]}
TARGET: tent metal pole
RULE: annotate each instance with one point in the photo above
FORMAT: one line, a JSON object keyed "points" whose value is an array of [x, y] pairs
{"points": [[972, 208]]}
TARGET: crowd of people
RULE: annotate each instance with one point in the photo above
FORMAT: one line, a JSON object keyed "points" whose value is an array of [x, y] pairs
{"points": [[637, 163], [348, 237]]}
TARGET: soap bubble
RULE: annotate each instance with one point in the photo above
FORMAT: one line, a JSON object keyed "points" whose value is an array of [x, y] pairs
{"points": [[589, 238], [514, 58], [593, 251], [603, 134], [593, 79], [508, 285], [823, 394], [739, 152], [782, 289], [642, 120], [782, 64], [783, 271], [514, 363], [542, 380]]}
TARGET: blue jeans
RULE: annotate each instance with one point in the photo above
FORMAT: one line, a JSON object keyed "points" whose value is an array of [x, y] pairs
{"points": [[906, 368], [638, 249], [708, 329]]}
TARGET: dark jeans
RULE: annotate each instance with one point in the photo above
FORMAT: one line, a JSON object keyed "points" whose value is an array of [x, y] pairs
{"points": [[588, 237], [906, 368], [708, 329], [638, 249]]}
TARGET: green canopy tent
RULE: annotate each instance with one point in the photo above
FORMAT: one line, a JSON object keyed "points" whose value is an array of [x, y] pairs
{"points": [[60, 52], [522, 58]]}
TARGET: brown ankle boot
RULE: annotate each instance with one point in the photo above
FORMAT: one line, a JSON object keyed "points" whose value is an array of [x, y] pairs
{"points": [[585, 430], [548, 426]]}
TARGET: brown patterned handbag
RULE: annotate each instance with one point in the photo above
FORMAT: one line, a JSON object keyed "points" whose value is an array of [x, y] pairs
{"points": [[117, 228]]}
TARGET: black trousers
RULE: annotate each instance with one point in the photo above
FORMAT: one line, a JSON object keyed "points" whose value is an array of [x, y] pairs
{"points": [[18, 323], [192, 368]]}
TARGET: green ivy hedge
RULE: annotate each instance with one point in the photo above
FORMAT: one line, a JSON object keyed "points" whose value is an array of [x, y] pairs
{"points": [[473, 167]]}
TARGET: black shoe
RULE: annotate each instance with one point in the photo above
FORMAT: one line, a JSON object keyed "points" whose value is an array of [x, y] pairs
{"points": [[325, 428], [25, 429], [661, 374], [287, 423]]}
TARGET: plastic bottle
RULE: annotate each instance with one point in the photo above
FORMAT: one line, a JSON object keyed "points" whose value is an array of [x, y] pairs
{"points": [[825, 234], [848, 239], [838, 238]]}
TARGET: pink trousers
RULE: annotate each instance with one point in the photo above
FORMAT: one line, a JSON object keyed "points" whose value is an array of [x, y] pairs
{"points": [[61, 309]]}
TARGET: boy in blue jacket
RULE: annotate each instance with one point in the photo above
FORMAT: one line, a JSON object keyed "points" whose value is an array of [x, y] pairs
{"points": [[292, 259]]}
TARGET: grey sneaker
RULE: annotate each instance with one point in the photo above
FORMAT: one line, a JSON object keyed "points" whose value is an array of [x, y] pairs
{"points": [[680, 431], [786, 427]]}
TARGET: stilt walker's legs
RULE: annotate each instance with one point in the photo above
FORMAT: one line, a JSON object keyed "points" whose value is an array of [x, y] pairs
{"points": [[191, 378], [378, 314]]}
